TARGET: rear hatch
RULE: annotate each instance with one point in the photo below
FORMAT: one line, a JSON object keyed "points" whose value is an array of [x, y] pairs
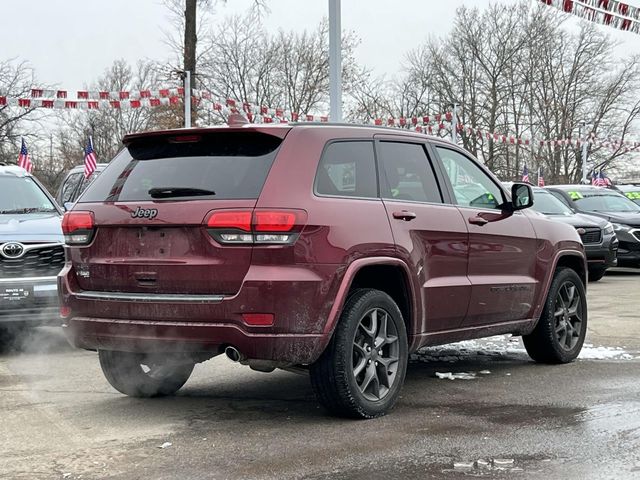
{"points": [[150, 210]]}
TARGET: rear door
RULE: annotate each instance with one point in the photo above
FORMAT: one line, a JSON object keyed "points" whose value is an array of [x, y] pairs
{"points": [[430, 235], [151, 206], [502, 247]]}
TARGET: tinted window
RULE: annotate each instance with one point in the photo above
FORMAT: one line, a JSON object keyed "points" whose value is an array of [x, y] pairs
{"points": [[472, 187], [22, 195], [86, 182], [70, 186], [408, 174], [231, 165], [347, 169]]}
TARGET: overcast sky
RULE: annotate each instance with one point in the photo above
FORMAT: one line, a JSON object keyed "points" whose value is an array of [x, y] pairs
{"points": [[71, 42]]}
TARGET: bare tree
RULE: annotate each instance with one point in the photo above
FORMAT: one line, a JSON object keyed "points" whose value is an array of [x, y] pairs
{"points": [[16, 79]]}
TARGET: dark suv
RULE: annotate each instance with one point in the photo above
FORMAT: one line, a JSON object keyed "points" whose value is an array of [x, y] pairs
{"points": [[338, 249], [597, 235], [613, 206]]}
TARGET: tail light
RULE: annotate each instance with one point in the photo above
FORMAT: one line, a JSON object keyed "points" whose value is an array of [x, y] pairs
{"points": [[78, 227], [280, 227]]}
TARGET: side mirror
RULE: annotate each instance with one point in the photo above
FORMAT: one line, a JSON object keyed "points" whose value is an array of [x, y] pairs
{"points": [[67, 206], [521, 196]]}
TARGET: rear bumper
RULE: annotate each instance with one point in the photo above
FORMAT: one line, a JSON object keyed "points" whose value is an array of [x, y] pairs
{"points": [[151, 336], [147, 322], [39, 307]]}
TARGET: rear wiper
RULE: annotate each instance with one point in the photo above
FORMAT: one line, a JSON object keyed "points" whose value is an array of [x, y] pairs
{"points": [[167, 192]]}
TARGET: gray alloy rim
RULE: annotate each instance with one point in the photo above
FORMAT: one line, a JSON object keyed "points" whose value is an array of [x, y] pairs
{"points": [[568, 316], [376, 352]]}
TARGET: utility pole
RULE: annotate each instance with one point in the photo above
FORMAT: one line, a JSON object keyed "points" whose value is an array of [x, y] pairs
{"points": [[190, 41], [335, 62]]}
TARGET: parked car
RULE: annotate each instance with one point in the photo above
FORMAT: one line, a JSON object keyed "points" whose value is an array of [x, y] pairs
{"points": [[597, 235], [632, 192], [31, 250], [612, 206], [75, 183], [337, 249]]}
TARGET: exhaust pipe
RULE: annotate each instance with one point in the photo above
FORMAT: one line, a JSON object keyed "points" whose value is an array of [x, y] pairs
{"points": [[234, 354]]}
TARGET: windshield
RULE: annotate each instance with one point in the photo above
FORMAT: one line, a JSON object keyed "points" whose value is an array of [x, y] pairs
{"points": [[547, 204], [23, 195], [607, 202]]}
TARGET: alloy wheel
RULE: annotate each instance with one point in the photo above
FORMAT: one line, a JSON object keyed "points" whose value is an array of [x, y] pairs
{"points": [[375, 354]]}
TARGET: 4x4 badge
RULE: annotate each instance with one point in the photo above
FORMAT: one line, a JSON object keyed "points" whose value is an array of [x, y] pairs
{"points": [[144, 213]]}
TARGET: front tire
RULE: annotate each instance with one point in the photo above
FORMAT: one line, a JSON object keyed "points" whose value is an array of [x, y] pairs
{"points": [[140, 375], [560, 332], [361, 372]]}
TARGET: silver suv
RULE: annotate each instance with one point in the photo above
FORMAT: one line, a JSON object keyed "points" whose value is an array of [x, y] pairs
{"points": [[31, 249]]}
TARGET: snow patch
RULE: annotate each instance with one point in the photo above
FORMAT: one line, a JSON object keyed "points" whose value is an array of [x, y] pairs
{"points": [[507, 346]]}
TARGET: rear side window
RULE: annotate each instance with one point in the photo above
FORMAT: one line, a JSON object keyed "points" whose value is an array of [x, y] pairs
{"points": [[408, 174], [219, 166], [70, 186], [347, 169]]}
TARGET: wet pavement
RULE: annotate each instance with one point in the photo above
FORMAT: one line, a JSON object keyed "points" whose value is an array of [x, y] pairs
{"points": [[507, 418]]}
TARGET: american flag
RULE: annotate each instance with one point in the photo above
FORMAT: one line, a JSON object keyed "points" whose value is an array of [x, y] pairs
{"points": [[525, 174], [594, 178], [89, 159], [607, 180], [24, 160], [601, 180], [540, 178]]}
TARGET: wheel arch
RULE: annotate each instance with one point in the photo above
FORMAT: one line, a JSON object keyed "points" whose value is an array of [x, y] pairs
{"points": [[572, 259], [388, 274]]}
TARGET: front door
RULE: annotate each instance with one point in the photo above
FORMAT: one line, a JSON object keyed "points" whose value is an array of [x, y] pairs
{"points": [[502, 245]]}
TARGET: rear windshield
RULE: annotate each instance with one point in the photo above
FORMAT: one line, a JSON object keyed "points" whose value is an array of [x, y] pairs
{"points": [[221, 166]]}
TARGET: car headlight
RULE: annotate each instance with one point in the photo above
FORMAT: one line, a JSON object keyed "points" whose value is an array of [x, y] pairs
{"points": [[608, 229], [618, 227]]}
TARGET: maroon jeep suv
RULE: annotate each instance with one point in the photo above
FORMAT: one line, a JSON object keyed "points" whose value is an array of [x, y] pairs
{"points": [[330, 248]]}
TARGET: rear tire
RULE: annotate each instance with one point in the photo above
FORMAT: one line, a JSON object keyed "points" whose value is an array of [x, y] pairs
{"points": [[596, 274], [560, 332], [361, 372], [141, 375]]}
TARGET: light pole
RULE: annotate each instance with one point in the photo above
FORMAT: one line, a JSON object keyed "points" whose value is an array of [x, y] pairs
{"points": [[335, 62], [585, 151]]}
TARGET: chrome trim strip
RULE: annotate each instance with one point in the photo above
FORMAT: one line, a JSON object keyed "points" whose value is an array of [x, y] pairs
{"points": [[146, 297], [29, 279]]}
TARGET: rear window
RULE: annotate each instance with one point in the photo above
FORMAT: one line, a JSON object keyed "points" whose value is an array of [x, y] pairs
{"points": [[221, 166], [347, 169]]}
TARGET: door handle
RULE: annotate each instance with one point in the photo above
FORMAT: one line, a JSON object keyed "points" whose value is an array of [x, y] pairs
{"points": [[478, 221], [404, 215]]}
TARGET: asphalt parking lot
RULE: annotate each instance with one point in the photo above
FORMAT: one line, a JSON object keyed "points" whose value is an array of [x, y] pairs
{"points": [[478, 408]]}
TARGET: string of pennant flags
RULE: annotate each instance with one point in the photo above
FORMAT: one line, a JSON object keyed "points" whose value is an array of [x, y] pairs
{"points": [[610, 13], [428, 124]]}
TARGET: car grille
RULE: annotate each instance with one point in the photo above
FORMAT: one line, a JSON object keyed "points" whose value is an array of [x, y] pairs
{"points": [[592, 235], [41, 262]]}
